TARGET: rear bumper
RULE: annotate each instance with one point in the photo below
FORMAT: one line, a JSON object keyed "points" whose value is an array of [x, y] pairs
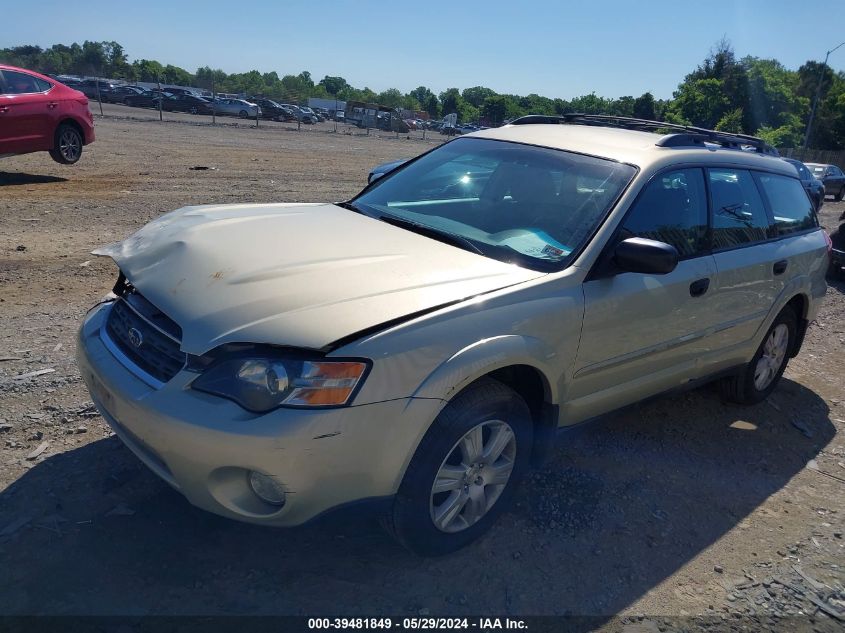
{"points": [[204, 446]]}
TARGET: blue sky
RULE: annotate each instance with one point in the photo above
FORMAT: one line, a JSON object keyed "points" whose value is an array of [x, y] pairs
{"points": [[555, 49]]}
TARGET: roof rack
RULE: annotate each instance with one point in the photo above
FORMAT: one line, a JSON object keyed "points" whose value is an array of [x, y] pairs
{"points": [[679, 136]]}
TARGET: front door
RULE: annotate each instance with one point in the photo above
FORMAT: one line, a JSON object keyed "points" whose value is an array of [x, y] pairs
{"points": [[643, 334]]}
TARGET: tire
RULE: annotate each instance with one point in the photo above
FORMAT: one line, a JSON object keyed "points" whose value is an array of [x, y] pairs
{"points": [[838, 197], [67, 147], [485, 415], [126, 102], [756, 381], [193, 110], [243, 114]]}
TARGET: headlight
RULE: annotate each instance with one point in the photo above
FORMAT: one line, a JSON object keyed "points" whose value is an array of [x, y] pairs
{"points": [[261, 384]]}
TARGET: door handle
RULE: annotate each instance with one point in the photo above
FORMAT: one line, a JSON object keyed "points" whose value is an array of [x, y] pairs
{"points": [[4, 109], [699, 287], [780, 267], [52, 105]]}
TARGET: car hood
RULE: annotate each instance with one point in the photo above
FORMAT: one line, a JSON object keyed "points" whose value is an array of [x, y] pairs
{"points": [[298, 275]]}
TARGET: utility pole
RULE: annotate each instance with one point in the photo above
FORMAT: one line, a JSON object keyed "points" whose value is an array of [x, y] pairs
{"points": [[818, 95]]}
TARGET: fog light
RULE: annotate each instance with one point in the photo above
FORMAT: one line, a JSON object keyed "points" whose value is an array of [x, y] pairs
{"points": [[266, 488]]}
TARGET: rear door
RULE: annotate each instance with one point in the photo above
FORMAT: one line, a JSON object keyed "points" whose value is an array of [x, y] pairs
{"points": [[28, 113], [794, 259], [748, 278], [643, 334]]}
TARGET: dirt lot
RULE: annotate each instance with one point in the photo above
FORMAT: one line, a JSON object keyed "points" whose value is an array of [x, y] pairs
{"points": [[681, 507]]}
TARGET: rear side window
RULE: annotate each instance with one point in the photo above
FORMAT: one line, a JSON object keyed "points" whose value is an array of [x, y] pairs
{"points": [[15, 83], [791, 207], [672, 209], [739, 216]]}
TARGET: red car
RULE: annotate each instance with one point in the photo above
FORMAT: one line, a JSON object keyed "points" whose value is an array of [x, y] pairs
{"points": [[39, 114]]}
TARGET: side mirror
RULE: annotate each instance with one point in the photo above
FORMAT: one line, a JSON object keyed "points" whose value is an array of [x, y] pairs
{"points": [[650, 257]]}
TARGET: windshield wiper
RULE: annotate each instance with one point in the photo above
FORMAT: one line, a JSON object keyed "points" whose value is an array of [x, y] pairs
{"points": [[429, 231]]}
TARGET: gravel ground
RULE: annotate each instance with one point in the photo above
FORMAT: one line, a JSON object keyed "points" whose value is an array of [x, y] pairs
{"points": [[680, 508]]}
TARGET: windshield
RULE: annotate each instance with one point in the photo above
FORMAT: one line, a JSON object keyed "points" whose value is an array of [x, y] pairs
{"points": [[518, 203]]}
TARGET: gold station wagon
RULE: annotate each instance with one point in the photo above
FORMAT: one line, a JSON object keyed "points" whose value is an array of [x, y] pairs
{"points": [[417, 346]]}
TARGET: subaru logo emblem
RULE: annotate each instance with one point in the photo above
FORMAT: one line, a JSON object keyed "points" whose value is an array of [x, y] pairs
{"points": [[135, 337]]}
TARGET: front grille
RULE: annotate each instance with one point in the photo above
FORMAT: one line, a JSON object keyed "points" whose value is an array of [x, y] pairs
{"points": [[146, 336]]}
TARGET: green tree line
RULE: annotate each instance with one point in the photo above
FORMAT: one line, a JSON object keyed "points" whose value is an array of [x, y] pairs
{"points": [[749, 95]]}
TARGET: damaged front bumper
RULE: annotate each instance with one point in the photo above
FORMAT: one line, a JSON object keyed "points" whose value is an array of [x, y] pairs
{"points": [[205, 447]]}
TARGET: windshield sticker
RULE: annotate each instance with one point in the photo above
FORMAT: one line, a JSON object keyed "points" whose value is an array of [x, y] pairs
{"points": [[537, 244]]}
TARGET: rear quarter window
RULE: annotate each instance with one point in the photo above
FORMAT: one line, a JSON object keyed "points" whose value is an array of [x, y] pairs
{"points": [[791, 207]]}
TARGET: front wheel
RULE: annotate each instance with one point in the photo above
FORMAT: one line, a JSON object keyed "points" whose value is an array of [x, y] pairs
{"points": [[243, 114], [760, 377], [68, 145], [838, 197], [464, 472]]}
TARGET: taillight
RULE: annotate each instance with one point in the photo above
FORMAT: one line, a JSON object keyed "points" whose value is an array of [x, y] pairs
{"points": [[829, 242]]}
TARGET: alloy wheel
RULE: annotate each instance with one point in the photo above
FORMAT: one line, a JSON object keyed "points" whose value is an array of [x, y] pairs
{"points": [[473, 476], [774, 353], [70, 145]]}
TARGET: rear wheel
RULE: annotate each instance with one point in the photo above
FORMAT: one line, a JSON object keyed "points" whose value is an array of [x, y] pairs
{"points": [[193, 110], [464, 472], [838, 197], [68, 145], [760, 377]]}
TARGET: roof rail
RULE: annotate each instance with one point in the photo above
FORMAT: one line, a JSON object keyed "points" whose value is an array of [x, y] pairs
{"points": [[677, 135]]}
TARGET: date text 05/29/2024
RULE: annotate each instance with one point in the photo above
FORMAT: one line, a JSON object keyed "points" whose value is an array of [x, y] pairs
{"points": [[417, 623]]}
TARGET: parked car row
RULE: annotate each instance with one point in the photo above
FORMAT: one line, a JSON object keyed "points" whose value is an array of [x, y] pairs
{"points": [[185, 100], [180, 100]]}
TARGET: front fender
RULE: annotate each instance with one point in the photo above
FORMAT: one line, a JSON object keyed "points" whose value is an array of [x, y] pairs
{"points": [[487, 355], [473, 362]]}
